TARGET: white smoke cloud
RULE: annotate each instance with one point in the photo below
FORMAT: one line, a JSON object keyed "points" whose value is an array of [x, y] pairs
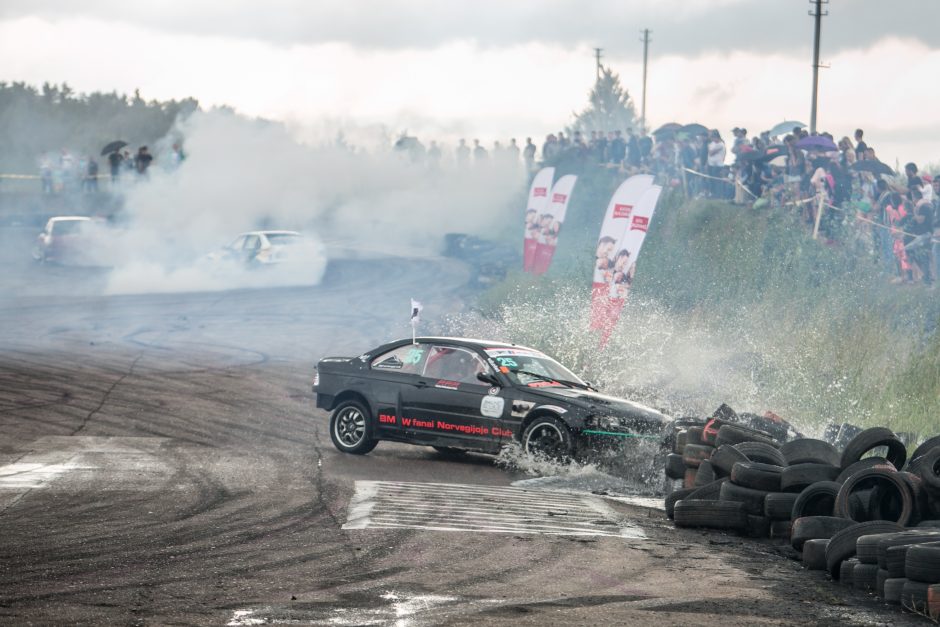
{"points": [[243, 175]]}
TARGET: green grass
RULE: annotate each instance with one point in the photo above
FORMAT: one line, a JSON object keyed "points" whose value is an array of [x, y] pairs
{"points": [[739, 305]]}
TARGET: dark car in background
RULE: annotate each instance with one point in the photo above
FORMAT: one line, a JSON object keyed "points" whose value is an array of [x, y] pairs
{"points": [[457, 394]]}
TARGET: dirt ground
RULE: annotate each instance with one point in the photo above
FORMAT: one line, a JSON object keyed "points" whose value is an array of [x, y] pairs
{"points": [[161, 462]]}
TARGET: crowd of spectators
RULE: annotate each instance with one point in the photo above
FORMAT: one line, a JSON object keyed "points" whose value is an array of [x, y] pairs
{"points": [[64, 173], [842, 192]]}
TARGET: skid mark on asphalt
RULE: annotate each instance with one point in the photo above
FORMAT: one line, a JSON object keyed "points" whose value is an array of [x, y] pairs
{"points": [[77, 462], [487, 509]]}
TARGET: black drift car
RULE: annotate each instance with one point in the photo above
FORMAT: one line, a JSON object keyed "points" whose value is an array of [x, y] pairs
{"points": [[457, 394]]}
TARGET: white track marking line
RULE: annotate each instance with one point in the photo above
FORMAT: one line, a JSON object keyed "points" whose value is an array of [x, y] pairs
{"points": [[456, 507]]}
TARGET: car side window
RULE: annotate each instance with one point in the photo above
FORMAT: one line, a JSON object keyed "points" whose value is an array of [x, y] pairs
{"points": [[238, 243], [454, 364], [407, 359], [252, 242]]}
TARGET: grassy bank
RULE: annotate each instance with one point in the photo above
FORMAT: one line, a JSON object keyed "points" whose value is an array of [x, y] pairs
{"points": [[736, 305]]}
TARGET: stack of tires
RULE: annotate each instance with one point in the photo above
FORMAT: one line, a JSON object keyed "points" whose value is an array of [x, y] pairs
{"points": [[867, 515]]}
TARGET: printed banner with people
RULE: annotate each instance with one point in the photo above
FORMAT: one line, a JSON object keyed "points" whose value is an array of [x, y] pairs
{"points": [[622, 233], [550, 222], [535, 207]]}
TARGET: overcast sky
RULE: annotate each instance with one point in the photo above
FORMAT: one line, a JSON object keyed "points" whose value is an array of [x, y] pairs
{"points": [[498, 69]]}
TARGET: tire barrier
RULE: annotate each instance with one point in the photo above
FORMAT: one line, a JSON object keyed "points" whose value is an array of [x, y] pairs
{"points": [[873, 438], [870, 522]]}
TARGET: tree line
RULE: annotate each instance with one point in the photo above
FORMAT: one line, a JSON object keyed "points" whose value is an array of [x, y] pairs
{"points": [[37, 121]]}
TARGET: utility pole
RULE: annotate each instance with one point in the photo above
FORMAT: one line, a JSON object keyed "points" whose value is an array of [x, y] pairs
{"points": [[597, 60], [646, 48], [817, 13]]}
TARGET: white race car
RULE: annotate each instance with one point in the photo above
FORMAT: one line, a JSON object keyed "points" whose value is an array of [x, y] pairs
{"points": [[262, 248]]}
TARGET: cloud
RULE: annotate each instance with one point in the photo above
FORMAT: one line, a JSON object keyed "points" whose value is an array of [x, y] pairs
{"points": [[686, 27]]}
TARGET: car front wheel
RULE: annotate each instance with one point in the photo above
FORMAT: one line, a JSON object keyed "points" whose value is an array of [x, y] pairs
{"points": [[351, 428], [548, 437]]}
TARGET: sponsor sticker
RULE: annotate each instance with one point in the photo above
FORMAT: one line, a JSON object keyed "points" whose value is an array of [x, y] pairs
{"points": [[540, 191], [444, 384], [622, 211], [640, 223], [498, 352], [559, 198], [492, 406]]}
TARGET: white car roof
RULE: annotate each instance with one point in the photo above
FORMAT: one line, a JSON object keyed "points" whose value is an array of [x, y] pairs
{"points": [[66, 218], [270, 233]]}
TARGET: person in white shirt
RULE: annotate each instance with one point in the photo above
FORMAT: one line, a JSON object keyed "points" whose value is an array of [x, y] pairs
{"points": [[716, 161]]}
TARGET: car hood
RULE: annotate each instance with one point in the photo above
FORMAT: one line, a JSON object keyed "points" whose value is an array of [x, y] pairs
{"points": [[601, 404]]}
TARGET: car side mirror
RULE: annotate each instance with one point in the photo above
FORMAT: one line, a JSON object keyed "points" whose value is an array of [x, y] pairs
{"points": [[488, 377]]}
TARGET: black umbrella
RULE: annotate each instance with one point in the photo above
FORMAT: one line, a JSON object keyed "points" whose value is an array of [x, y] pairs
{"points": [[874, 166], [669, 127], [113, 146], [694, 129], [747, 156]]}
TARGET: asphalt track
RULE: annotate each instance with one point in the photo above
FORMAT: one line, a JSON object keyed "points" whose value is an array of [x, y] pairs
{"points": [[161, 462]]}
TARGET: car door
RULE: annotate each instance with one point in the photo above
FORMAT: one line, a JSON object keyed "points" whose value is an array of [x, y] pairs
{"points": [[449, 406], [393, 371]]}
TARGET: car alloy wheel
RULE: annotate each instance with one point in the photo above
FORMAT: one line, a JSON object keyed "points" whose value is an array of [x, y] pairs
{"points": [[547, 438], [350, 427]]}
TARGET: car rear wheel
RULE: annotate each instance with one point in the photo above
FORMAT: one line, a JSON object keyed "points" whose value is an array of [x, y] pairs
{"points": [[549, 438], [351, 428]]}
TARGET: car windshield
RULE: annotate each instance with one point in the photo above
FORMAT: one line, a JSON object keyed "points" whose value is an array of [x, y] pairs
{"points": [[533, 369], [283, 239], [68, 227]]}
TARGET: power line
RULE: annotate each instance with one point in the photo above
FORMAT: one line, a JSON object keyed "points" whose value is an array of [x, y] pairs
{"points": [[817, 13]]}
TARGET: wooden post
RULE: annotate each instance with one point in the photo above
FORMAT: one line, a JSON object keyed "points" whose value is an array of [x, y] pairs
{"points": [[820, 205]]}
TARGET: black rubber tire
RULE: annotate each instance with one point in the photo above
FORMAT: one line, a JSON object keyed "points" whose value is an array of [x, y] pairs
{"points": [[866, 549], [753, 500], [818, 499], [892, 590], [351, 428], [815, 528], [926, 445], [695, 454], [757, 476], [780, 529], [864, 576], [762, 453], [928, 468], [845, 570], [549, 438], [810, 451], [674, 497], [881, 578], [736, 434], [922, 562], [914, 596], [710, 514], [675, 467], [725, 457], [758, 526], [795, 478], [920, 496], [842, 544], [681, 441], [894, 559], [873, 438], [929, 524], [710, 492], [903, 539], [868, 462], [705, 474], [814, 554], [694, 435], [779, 505], [893, 500]]}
